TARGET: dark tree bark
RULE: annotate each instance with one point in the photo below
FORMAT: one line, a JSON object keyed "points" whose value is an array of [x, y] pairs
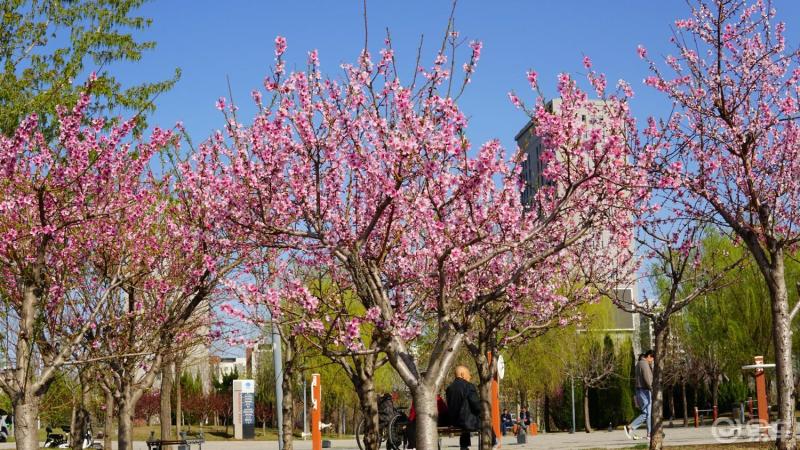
{"points": [[126, 405], [108, 425], [587, 424], [288, 399], [714, 389], [782, 342], [362, 375], [685, 405], [167, 381], [81, 419], [671, 400], [486, 374], [661, 330], [178, 397]]}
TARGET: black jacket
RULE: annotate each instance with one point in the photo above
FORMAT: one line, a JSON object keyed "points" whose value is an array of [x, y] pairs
{"points": [[463, 404]]}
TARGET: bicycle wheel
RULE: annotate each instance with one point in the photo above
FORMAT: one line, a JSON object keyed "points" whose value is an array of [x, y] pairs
{"points": [[360, 435], [397, 433]]}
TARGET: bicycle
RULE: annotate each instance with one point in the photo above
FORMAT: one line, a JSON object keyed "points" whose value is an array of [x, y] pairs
{"points": [[394, 435], [392, 424]]}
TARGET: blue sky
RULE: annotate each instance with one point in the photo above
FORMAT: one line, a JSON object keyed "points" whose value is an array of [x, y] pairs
{"points": [[210, 40]]}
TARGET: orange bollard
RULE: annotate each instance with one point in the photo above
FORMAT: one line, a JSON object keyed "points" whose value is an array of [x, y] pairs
{"points": [[761, 396], [316, 411], [533, 429]]}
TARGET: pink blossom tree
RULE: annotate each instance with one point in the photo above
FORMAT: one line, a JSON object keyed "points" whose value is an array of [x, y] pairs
{"points": [[734, 145], [326, 321], [179, 258], [674, 265], [374, 180], [57, 201], [588, 258]]}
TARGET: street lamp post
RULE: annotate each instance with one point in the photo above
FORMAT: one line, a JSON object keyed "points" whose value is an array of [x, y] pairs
{"points": [[572, 388], [305, 410], [277, 360]]}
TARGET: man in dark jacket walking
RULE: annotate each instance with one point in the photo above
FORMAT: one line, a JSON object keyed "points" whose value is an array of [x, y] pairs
{"points": [[644, 386], [463, 405]]}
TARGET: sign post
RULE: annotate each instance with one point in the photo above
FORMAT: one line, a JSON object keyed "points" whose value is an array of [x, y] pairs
{"points": [[316, 412], [495, 392], [761, 391], [244, 409]]}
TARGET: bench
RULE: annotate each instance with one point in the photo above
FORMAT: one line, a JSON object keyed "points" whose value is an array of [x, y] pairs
{"points": [[184, 443], [451, 430]]}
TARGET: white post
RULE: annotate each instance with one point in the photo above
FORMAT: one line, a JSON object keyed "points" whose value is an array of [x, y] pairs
{"points": [[305, 410], [277, 359], [572, 387]]}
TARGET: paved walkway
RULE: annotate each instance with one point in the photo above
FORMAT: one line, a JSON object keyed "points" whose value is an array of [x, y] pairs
{"points": [[579, 440]]}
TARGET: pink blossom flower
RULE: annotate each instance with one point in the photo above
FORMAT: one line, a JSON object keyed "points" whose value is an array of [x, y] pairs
{"points": [[532, 79], [280, 46]]}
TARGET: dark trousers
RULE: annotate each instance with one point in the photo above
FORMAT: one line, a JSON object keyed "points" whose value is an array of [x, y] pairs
{"points": [[464, 441]]}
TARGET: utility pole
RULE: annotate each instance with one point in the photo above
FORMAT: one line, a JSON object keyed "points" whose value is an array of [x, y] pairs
{"points": [[572, 387], [305, 410], [277, 359]]}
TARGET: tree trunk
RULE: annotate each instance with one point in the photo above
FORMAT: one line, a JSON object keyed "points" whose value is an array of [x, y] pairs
{"points": [[657, 407], [368, 400], [442, 355], [26, 399], [685, 405], [178, 399], [288, 415], [715, 390], [587, 424], [109, 423], [485, 392], [125, 409], [671, 392], [485, 376], [25, 430], [288, 398], [782, 337], [82, 421], [167, 378], [427, 417], [547, 427]]}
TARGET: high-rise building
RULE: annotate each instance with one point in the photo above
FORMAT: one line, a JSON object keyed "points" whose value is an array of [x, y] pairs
{"points": [[624, 323]]}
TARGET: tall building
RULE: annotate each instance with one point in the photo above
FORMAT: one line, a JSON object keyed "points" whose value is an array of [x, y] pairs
{"points": [[226, 365], [625, 324]]}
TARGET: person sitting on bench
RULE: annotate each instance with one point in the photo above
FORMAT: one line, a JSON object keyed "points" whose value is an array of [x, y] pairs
{"points": [[464, 406], [505, 421]]}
